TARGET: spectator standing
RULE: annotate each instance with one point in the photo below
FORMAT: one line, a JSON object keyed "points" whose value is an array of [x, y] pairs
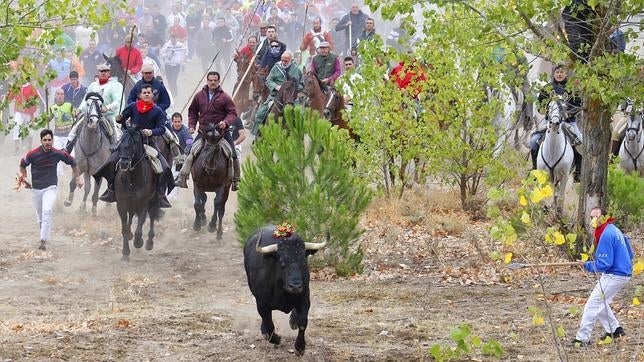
{"points": [[352, 24], [173, 53], [74, 91], [222, 39], [90, 58]]}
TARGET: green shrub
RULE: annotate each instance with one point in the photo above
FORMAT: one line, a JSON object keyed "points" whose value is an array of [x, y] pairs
{"points": [[625, 195], [303, 174]]}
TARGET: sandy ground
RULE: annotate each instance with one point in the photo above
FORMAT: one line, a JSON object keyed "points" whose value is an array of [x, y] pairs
{"points": [[187, 299]]}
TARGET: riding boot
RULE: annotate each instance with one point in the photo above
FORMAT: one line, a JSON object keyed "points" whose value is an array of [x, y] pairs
{"points": [[109, 195], [236, 175], [533, 155], [112, 142], [577, 173], [163, 200], [177, 155], [614, 148], [184, 174]]}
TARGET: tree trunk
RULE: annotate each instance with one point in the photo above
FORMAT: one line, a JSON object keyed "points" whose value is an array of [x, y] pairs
{"points": [[596, 147]]}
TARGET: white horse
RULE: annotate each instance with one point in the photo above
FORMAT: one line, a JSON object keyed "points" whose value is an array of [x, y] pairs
{"points": [[555, 153], [631, 153]]}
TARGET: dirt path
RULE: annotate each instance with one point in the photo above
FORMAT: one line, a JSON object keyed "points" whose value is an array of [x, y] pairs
{"points": [[187, 300]]}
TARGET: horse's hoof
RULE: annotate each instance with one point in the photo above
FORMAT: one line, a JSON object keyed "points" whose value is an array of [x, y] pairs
{"points": [[125, 258], [219, 236], [138, 242], [149, 245], [67, 203], [212, 228], [196, 226]]}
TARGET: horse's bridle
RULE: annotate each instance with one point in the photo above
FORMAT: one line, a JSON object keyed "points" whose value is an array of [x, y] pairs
{"points": [[131, 166], [637, 130]]}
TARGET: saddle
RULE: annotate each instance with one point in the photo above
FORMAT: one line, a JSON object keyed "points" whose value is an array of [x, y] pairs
{"points": [[153, 155]]}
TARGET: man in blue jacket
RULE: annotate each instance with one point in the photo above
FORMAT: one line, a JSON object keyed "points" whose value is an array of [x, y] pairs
{"points": [[150, 121], [614, 259]]}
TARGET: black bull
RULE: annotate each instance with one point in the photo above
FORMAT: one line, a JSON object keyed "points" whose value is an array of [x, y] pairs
{"points": [[278, 277]]}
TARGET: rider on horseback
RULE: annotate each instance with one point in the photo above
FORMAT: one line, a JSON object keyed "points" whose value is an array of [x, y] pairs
{"points": [[150, 120], [326, 66], [161, 99], [210, 106], [557, 88], [276, 78], [110, 89]]}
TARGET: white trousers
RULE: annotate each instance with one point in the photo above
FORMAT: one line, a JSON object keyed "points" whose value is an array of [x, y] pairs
{"points": [[21, 120], [598, 306], [60, 143], [44, 201]]}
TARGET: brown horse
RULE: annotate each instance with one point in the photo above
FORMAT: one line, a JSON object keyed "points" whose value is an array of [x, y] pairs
{"points": [[211, 173], [330, 106], [287, 95], [241, 90]]}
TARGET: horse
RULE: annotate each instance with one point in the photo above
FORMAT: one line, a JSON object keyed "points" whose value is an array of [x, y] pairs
{"points": [[135, 187], [631, 152], [92, 150], [287, 95], [211, 173], [329, 106], [241, 90], [555, 153]]}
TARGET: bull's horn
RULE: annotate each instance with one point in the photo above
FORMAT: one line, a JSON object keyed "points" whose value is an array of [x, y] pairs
{"points": [[317, 246], [265, 249]]}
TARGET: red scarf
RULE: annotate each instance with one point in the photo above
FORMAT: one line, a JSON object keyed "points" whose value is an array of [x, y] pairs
{"points": [[600, 230], [103, 81], [143, 106]]}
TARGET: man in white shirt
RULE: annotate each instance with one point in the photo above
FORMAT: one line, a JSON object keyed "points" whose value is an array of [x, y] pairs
{"points": [[173, 53]]}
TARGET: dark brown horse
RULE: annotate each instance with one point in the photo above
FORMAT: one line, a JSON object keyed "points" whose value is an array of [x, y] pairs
{"points": [[287, 95], [330, 106], [211, 173], [116, 70], [135, 187]]}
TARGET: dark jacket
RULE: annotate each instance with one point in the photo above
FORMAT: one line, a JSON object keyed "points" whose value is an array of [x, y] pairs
{"points": [[74, 96], [269, 60], [160, 95], [153, 120], [220, 108], [357, 25], [573, 104]]}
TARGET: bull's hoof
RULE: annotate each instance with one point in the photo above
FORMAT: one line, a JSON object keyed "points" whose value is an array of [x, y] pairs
{"points": [[149, 245], [212, 228], [125, 258], [196, 226], [138, 242], [273, 338], [292, 321], [300, 347], [67, 203]]}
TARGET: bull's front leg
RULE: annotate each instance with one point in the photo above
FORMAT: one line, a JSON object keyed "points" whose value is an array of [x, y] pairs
{"points": [[302, 320], [268, 328]]}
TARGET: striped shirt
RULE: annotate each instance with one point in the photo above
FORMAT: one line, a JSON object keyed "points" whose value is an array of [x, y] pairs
{"points": [[43, 166]]}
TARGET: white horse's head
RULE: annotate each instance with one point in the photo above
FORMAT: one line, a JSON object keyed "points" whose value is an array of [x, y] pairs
{"points": [[93, 113], [556, 115], [634, 126]]}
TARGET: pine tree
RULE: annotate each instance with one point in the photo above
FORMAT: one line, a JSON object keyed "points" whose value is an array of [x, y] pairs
{"points": [[303, 174]]}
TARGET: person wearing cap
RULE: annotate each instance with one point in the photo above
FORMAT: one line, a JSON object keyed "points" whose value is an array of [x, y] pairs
{"points": [[129, 53], [74, 90], [111, 91], [314, 37], [326, 66], [557, 88], [276, 78]]}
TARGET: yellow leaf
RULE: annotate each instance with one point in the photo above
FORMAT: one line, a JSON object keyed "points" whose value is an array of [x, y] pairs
{"points": [[636, 301], [537, 320], [540, 175], [523, 201], [584, 257], [559, 238], [561, 332], [525, 218], [638, 267], [508, 257]]}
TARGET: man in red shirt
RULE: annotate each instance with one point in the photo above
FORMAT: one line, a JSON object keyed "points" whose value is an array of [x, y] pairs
{"points": [[128, 52], [314, 37]]}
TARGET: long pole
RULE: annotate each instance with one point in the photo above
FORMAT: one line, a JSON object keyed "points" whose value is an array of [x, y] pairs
{"points": [[127, 64], [243, 37]]}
